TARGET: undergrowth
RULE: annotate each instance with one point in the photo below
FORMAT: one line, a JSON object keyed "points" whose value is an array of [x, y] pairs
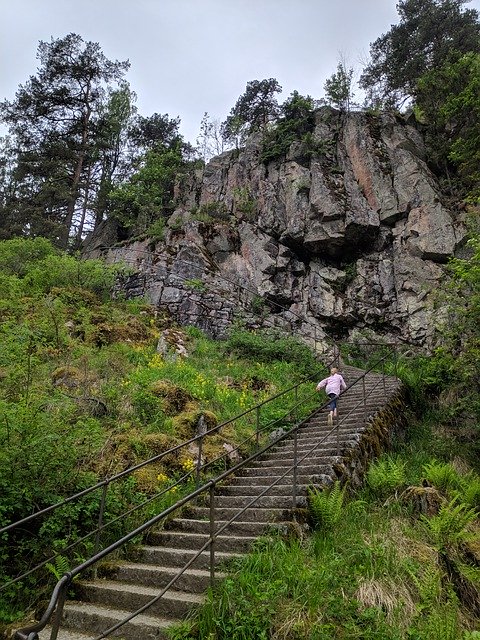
{"points": [[86, 394], [372, 565]]}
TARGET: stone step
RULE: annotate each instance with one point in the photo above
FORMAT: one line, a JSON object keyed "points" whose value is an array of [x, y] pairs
{"points": [[191, 540], [321, 454], [242, 527], [325, 447], [235, 503], [95, 619], [255, 489], [131, 597], [64, 634], [319, 459], [253, 514], [276, 472], [302, 479], [192, 580], [308, 441], [173, 557]]}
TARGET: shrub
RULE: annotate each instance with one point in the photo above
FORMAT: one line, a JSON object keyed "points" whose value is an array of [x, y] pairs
{"points": [[266, 346], [386, 476], [442, 475], [450, 526], [326, 505]]}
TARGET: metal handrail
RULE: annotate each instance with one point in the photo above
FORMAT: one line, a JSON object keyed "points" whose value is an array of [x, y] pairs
{"points": [[30, 633], [106, 482]]}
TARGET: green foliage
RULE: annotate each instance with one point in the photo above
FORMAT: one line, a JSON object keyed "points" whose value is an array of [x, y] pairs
{"points": [[210, 212], [448, 101], [56, 120], [338, 88], [296, 123], [326, 505], [450, 526], [19, 254], [157, 229], [442, 475], [253, 110], [265, 346], [195, 283], [148, 194], [60, 568], [469, 492], [244, 203], [412, 47], [385, 476]]}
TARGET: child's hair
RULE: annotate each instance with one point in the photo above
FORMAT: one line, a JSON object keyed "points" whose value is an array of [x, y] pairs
{"points": [[333, 371]]}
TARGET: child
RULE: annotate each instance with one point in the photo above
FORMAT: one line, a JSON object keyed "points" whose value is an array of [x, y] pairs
{"points": [[333, 385]]}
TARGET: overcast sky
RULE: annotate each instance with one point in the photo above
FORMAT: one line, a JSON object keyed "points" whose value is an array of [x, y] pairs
{"points": [[192, 56]]}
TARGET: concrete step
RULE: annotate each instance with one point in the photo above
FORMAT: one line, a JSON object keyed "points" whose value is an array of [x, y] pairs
{"points": [[313, 460], [235, 503], [253, 514], [95, 619], [131, 597], [253, 490], [308, 441], [305, 470], [173, 557], [64, 634], [302, 478], [191, 540], [192, 580], [242, 527], [322, 448]]}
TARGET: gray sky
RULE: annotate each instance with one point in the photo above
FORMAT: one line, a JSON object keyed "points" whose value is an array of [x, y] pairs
{"points": [[192, 56]]}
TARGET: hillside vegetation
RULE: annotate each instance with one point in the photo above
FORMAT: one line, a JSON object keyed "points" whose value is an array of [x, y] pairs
{"points": [[85, 394]]}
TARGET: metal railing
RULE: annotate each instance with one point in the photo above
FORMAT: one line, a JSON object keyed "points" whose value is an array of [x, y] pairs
{"points": [[199, 440], [53, 613]]}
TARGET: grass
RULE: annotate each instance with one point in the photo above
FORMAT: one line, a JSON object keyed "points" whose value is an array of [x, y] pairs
{"points": [[378, 571]]}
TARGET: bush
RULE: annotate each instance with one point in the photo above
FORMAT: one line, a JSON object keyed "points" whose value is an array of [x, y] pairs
{"points": [[326, 506], [266, 346], [386, 476]]}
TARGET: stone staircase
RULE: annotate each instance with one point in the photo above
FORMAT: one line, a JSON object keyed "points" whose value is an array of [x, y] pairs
{"points": [[130, 585]]}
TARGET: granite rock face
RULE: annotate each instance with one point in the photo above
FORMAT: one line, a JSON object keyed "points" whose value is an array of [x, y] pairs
{"points": [[347, 236]]}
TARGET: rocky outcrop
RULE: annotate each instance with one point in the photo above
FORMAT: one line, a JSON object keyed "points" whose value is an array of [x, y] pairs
{"points": [[348, 232]]}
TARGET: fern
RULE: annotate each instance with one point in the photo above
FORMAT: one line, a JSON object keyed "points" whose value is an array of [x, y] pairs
{"points": [[60, 568], [386, 476], [442, 475], [469, 493], [428, 585], [449, 526], [443, 624], [326, 506]]}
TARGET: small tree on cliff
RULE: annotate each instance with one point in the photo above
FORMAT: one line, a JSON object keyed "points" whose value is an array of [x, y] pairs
{"points": [[253, 110], [338, 88]]}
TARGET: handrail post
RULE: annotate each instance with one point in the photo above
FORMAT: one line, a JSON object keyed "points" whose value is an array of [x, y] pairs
{"points": [[383, 377], [338, 433], [57, 616], [257, 428], [364, 400], [199, 462], [295, 469], [295, 408], [103, 500], [212, 534]]}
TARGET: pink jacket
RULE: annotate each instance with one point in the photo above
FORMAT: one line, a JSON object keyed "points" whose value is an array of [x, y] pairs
{"points": [[333, 384]]}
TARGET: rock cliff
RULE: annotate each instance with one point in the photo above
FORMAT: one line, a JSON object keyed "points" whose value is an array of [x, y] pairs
{"points": [[348, 233]]}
